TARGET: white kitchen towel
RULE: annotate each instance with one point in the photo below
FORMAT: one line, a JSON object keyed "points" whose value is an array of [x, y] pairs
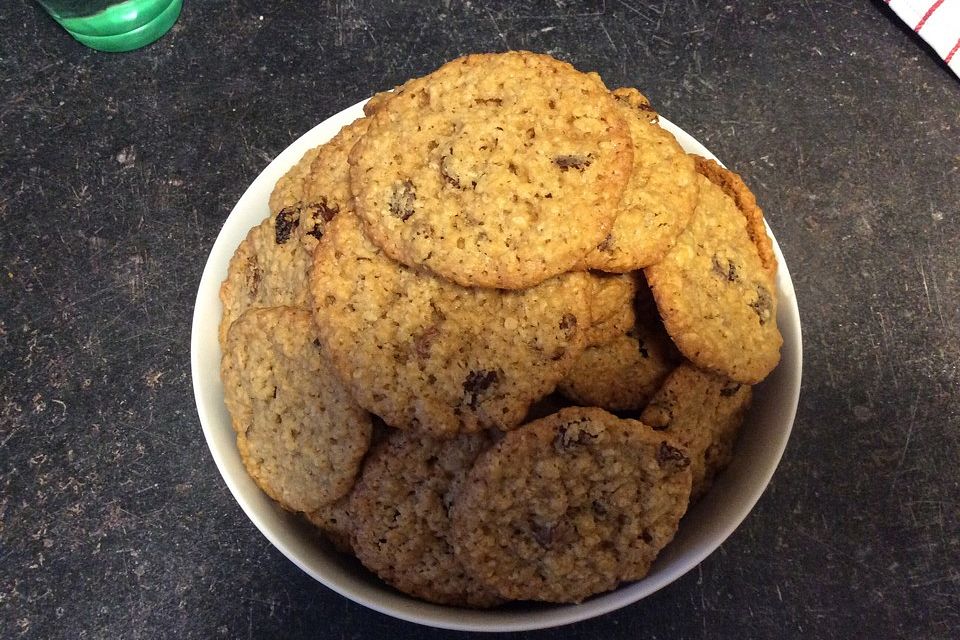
{"points": [[937, 22]]}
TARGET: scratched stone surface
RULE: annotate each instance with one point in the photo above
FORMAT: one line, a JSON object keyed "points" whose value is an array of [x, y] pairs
{"points": [[117, 171]]}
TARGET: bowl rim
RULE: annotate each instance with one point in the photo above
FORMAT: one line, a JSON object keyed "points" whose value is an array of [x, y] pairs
{"points": [[275, 524]]}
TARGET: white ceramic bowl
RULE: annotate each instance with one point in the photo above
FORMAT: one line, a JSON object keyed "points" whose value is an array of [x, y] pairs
{"points": [[703, 529]]}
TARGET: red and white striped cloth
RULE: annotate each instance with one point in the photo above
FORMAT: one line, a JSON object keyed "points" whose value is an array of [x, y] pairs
{"points": [[937, 22]]}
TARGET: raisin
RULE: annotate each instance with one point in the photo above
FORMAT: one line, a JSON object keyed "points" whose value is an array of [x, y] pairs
{"points": [[727, 272], [573, 162], [568, 324], [327, 212], [316, 342], [402, 199], [476, 383], [729, 389], [763, 305], [321, 210], [675, 457], [287, 220], [495, 101]]}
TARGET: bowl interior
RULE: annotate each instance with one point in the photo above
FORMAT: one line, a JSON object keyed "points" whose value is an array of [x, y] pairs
{"points": [[703, 529]]}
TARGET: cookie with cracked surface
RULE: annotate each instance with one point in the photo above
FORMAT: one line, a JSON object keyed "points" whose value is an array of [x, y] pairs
{"points": [[401, 525], [570, 506], [703, 412], [622, 374], [659, 199], [424, 353], [496, 170], [270, 266], [717, 299], [300, 435]]}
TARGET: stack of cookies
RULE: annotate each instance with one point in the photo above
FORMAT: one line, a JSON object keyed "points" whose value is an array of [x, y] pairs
{"points": [[495, 337]]}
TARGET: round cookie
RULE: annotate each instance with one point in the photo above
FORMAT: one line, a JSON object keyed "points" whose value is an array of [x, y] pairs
{"points": [[270, 266], [300, 435], [570, 505], [496, 170], [659, 199], [703, 412], [715, 295], [400, 516], [622, 373], [426, 354]]}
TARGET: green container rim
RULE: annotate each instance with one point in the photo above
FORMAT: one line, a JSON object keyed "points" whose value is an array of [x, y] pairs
{"points": [[150, 27]]}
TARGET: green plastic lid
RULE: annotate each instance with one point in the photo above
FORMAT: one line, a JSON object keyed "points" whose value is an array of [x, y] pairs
{"points": [[124, 26]]}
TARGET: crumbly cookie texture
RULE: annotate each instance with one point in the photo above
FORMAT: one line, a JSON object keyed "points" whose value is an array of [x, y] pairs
{"points": [[401, 526], [299, 433], [496, 170], [717, 299], [270, 266], [569, 506], [426, 354], [703, 412], [659, 199], [623, 373]]}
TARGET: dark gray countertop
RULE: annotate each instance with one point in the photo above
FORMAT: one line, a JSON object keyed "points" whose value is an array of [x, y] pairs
{"points": [[117, 171]]}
